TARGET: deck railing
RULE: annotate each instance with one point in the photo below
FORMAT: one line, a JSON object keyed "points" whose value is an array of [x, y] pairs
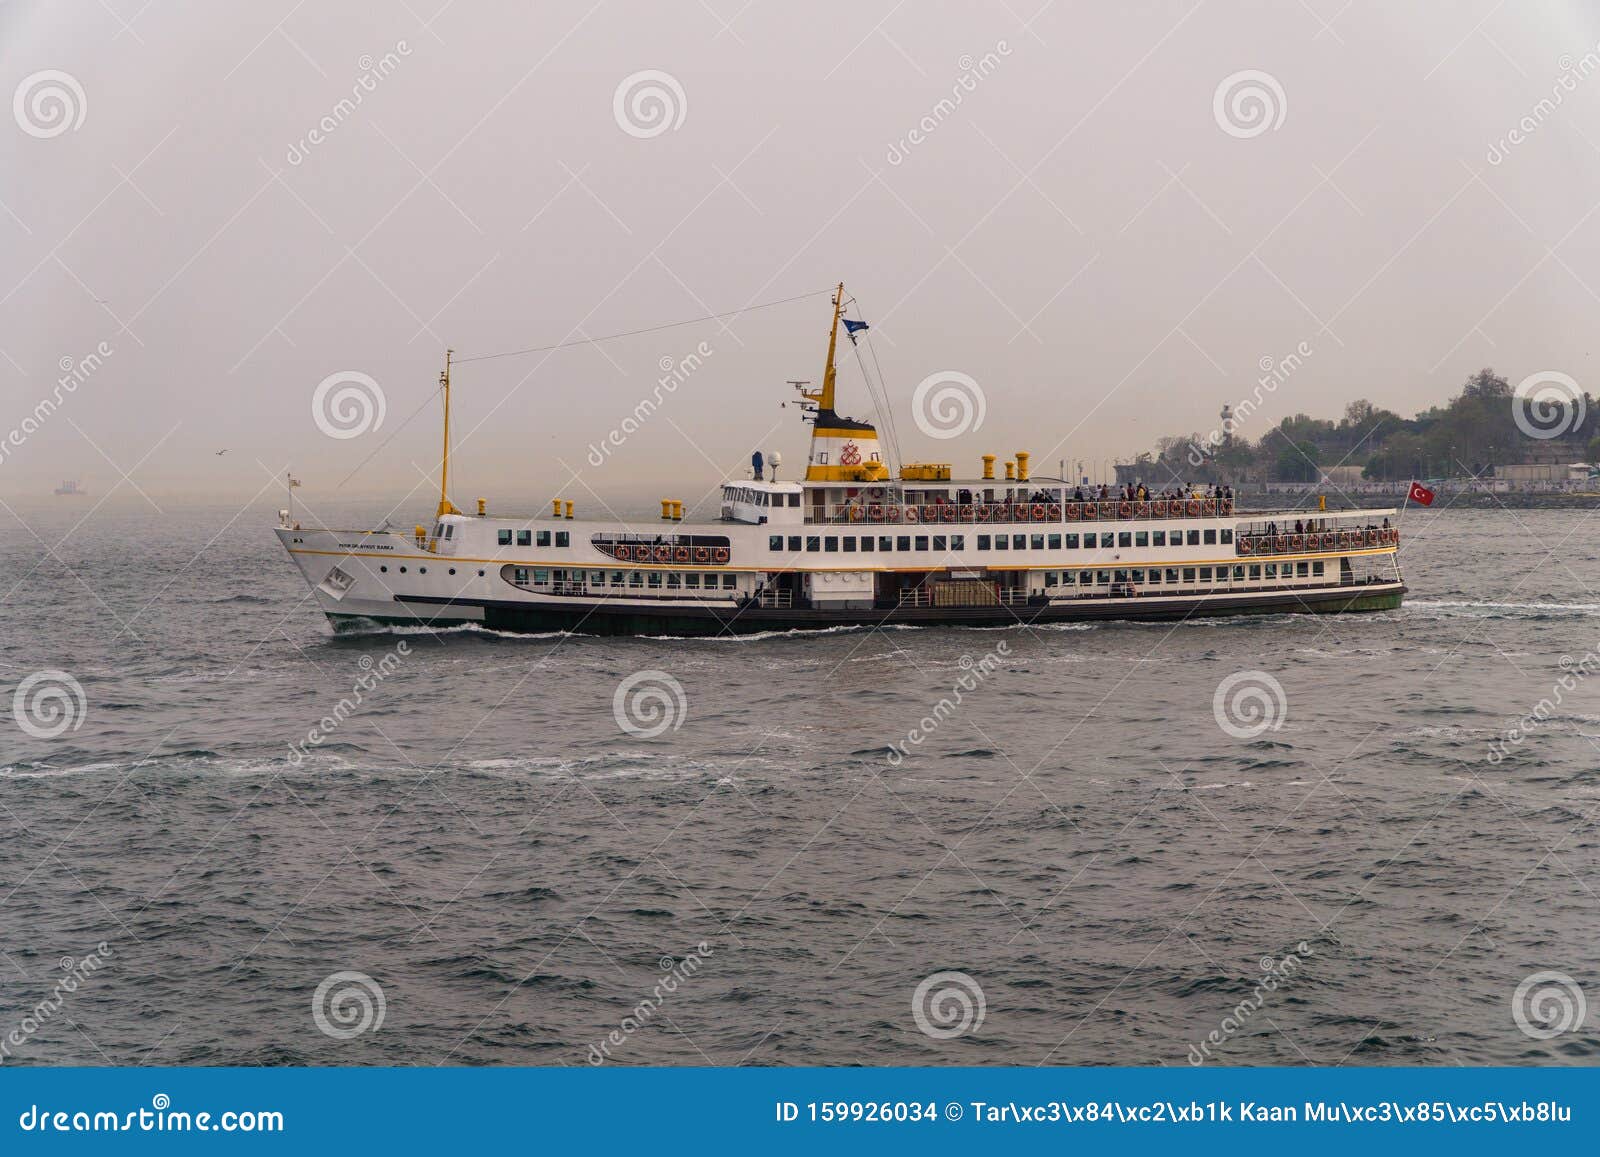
{"points": [[955, 513], [1309, 542]]}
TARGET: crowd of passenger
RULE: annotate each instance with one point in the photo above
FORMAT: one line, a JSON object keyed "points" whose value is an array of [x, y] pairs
{"points": [[1139, 492]]}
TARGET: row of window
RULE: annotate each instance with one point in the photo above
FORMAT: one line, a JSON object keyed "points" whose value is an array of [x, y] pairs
{"points": [[851, 543], [759, 497], [525, 538], [1173, 576], [645, 580]]}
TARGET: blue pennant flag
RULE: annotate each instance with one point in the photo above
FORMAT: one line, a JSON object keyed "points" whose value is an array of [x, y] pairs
{"points": [[852, 326]]}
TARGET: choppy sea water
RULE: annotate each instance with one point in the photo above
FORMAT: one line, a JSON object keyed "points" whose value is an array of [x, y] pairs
{"points": [[1118, 877]]}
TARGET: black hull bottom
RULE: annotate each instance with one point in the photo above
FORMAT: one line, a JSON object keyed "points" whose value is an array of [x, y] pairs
{"points": [[597, 618]]}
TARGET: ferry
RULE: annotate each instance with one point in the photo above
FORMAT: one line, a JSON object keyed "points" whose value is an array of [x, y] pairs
{"points": [[851, 544]]}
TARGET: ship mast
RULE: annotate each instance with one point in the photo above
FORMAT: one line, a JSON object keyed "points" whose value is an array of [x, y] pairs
{"points": [[445, 506], [824, 396]]}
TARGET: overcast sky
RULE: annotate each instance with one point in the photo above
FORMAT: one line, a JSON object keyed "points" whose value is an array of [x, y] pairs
{"points": [[1095, 232]]}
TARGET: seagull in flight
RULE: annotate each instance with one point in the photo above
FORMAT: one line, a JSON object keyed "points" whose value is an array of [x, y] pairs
{"points": [[220, 453]]}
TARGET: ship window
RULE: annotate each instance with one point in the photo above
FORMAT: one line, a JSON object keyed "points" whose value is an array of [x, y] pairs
{"points": [[617, 578], [1194, 538], [543, 539], [635, 579], [1071, 541], [1125, 538], [849, 544], [873, 457], [692, 581], [822, 458], [1316, 568], [885, 542], [422, 570], [958, 542], [922, 542], [1172, 574], [1085, 577], [1050, 578], [831, 543], [1107, 539], [1019, 542], [402, 570], [520, 576], [674, 581], [813, 543], [867, 542], [902, 542], [1301, 570], [1227, 536], [774, 542], [450, 530], [1138, 576], [1158, 538], [524, 538], [794, 542], [1036, 542], [794, 500], [541, 578], [1142, 538], [1238, 574], [384, 569], [1205, 574], [480, 574], [1255, 571], [1001, 542], [1155, 574], [940, 542], [1055, 542], [729, 581], [1088, 542], [983, 542], [1211, 538], [505, 538], [1122, 577], [1188, 574], [563, 538]]}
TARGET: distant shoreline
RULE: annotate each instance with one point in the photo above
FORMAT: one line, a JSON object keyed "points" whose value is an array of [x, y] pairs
{"points": [[1475, 500]]}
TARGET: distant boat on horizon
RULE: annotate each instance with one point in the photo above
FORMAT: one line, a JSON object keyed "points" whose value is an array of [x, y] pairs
{"points": [[70, 488]]}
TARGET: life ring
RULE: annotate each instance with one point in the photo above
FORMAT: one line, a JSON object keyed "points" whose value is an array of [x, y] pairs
{"points": [[663, 554], [721, 554], [1282, 544], [855, 514], [1125, 510], [1074, 511], [701, 554], [893, 513], [947, 512], [1297, 543], [1055, 512], [1344, 538], [984, 512], [1227, 506], [930, 514], [1244, 544], [1038, 512], [1327, 542], [875, 513], [1089, 510], [1394, 534], [1194, 508], [966, 513], [1372, 538], [1209, 506], [1019, 514], [680, 554], [911, 514]]}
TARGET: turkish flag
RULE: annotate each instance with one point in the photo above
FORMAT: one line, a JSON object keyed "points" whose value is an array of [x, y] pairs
{"points": [[1420, 494]]}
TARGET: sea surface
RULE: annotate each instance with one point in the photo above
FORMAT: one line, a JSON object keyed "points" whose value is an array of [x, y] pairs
{"points": [[1360, 868]]}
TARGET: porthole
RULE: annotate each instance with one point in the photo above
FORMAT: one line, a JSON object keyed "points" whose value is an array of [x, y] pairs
{"points": [[402, 570], [422, 570], [383, 569], [452, 570], [480, 574]]}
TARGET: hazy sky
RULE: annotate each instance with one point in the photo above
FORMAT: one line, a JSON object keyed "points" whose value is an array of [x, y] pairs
{"points": [[1093, 232]]}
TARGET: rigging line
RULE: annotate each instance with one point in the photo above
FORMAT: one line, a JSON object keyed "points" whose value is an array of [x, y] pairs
{"points": [[888, 406], [392, 435], [636, 332]]}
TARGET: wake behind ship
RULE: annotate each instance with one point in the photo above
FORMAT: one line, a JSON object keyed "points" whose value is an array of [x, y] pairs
{"points": [[852, 545]]}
